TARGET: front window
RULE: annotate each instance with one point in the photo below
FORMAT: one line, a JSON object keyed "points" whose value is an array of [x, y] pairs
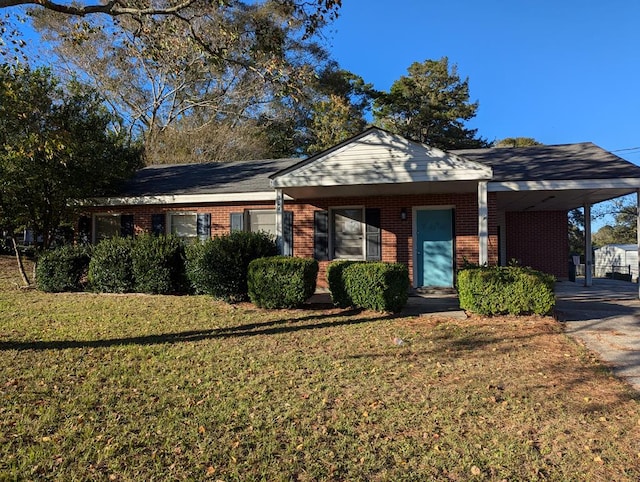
{"points": [[184, 225], [348, 228], [262, 220], [106, 226]]}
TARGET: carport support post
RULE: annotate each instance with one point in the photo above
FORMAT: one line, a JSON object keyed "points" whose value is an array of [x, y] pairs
{"points": [[588, 252], [279, 219], [483, 224]]}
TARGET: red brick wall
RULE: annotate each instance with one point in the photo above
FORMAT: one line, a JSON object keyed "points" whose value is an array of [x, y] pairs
{"points": [[539, 239], [397, 242]]}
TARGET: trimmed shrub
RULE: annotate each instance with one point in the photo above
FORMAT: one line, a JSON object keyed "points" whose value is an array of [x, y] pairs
{"points": [[110, 269], [377, 286], [194, 268], [62, 269], [335, 278], [225, 263], [281, 281], [158, 264], [506, 290]]}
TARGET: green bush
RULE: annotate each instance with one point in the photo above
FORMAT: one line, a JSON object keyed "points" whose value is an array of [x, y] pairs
{"points": [[158, 264], [62, 269], [377, 286], [335, 278], [110, 269], [281, 281], [223, 266], [506, 290], [194, 268]]}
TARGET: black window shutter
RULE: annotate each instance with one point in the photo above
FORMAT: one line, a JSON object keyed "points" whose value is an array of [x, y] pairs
{"points": [[374, 234], [158, 224], [204, 226], [321, 235], [237, 222], [84, 230], [287, 228], [126, 225]]}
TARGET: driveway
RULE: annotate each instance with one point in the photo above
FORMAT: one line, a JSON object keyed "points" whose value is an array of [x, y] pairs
{"points": [[606, 317]]}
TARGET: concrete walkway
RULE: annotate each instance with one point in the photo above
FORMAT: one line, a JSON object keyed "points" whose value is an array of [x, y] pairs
{"points": [[606, 317], [444, 304]]}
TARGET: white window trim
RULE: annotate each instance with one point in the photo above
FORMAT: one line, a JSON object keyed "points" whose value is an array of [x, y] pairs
{"points": [[331, 233], [168, 222], [94, 233], [247, 216]]}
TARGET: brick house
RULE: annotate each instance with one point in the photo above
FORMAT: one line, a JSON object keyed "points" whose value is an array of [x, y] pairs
{"points": [[379, 196]]}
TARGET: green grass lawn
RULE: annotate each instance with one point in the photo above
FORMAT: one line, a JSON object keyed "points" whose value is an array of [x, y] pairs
{"points": [[137, 387]]}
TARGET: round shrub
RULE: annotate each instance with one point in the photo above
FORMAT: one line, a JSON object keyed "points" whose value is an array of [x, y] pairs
{"points": [[377, 286], [158, 264], [335, 278], [62, 269], [225, 263], [281, 281], [110, 269]]}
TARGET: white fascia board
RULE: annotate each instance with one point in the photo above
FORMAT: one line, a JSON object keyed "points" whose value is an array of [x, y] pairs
{"points": [[182, 199], [622, 183], [303, 181]]}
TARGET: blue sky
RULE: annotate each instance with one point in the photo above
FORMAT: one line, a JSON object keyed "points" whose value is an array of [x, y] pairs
{"points": [[560, 71]]}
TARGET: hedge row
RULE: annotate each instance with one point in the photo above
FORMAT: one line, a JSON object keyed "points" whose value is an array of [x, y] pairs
{"points": [[506, 290], [220, 265], [370, 285], [282, 281], [64, 269], [162, 265]]}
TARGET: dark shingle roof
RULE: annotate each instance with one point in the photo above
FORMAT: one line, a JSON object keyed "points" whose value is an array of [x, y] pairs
{"points": [[553, 163], [536, 163], [207, 178]]}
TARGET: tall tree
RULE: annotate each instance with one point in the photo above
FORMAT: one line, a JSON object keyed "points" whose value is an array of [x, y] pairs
{"points": [[313, 14], [332, 107], [624, 228], [576, 231], [517, 142], [430, 105], [339, 109], [56, 145], [171, 79]]}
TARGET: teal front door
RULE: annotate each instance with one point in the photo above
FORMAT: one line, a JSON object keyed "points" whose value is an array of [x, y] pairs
{"points": [[434, 247]]}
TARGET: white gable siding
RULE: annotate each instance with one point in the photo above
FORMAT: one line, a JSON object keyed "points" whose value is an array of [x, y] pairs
{"points": [[381, 158]]}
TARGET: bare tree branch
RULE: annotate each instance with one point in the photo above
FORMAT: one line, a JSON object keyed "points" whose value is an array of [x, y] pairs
{"points": [[113, 8]]}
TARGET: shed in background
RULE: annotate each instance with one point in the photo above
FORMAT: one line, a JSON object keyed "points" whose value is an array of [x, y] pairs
{"points": [[616, 258]]}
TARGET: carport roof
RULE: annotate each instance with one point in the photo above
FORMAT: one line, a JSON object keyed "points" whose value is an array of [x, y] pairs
{"points": [[562, 162]]}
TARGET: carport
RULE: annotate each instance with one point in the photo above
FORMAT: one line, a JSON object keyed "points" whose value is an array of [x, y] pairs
{"points": [[605, 316], [558, 178]]}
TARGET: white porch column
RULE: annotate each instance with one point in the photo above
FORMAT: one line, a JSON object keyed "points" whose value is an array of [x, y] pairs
{"points": [[483, 224], [279, 220], [638, 235], [588, 252]]}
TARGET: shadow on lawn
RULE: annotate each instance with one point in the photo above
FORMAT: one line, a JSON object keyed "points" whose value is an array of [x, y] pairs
{"points": [[275, 327]]}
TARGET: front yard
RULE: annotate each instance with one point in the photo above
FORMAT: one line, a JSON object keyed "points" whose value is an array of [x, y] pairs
{"points": [[139, 387]]}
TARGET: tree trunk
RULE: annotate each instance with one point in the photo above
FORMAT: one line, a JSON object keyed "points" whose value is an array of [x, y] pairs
{"points": [[23, 274]]}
